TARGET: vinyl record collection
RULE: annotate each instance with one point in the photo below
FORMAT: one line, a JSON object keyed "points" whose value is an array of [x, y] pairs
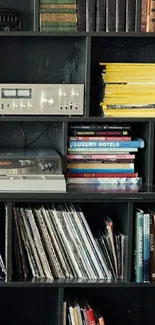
{"points": [[87, 15], [55, 241], [81, 313], [102, 155], [147, 16], [144, 255], [128, 89]]}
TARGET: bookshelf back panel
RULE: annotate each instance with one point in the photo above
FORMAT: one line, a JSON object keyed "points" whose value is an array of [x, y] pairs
{"points": [[42, 60], [2, 231], [26, 9], [118, 49], [29, 306]]}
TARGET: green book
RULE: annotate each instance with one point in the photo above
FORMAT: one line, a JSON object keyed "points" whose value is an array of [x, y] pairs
{"points": [[58, 1], [59, 29], [58, 10], [57, 24]]}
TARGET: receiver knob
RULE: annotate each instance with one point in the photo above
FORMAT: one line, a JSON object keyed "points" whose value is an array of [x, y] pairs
{"points": [[47, 102]]}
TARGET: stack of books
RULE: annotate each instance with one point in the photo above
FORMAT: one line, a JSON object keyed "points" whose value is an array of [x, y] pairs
{"points": [[58, 15], [102, 154], [144, 255], [55, 241], [128, 89], [75, 312]]}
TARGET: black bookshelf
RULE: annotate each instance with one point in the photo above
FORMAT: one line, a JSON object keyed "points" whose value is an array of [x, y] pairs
{"points": [[22, 55]]}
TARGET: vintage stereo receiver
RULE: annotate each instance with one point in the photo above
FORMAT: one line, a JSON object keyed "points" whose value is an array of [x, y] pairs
{"points": [[41, 99]]}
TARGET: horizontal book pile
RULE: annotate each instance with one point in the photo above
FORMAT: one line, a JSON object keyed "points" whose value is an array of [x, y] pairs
{"points": [[75, 312], [144, 257], [128, 89], [55, 242], [147, 16], [61, 15], [102, 154]]}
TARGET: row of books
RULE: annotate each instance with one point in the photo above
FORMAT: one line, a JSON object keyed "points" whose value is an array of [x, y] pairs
{"points": [[54, 241], [128, 89], [147, 16], [80, 312], [87, 15], [144, 255], [102, 154]]}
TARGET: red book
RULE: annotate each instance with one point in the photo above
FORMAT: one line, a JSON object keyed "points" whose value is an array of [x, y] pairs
{"points": [[91, 317], [94, 175], [100, 138]]}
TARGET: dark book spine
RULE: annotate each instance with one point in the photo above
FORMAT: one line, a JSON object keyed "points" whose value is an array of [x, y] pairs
{"points": [[152, 247], [120, 15], [143, 15], [130, 15], [100, 15], [110, 15], [90, 15], [81, 12]]}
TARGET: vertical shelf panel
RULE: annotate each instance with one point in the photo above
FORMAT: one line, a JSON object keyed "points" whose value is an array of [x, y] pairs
{"points": [[130, 241], [149, 161], [8, 240], [60, 306], [36, 16], [87, 76], [138, 16]]}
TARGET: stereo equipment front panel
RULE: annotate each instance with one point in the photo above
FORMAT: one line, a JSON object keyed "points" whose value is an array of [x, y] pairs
{"points": [[41, 99]]}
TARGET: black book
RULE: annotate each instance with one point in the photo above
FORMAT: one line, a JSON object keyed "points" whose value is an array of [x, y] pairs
{"points": [[100, 15], [110, 15], [120, 15], [81, 11], [90, 15], [130, 15]]}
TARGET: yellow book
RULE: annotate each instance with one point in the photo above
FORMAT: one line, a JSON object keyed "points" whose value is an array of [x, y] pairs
{"points": [[129, 113], [57, 6], [58, 17]]}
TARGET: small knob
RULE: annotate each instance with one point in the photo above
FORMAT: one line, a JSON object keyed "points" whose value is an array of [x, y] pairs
{"points": [[75, 94], [30, 105], [62, 94], [15, 105], [23, 105]]}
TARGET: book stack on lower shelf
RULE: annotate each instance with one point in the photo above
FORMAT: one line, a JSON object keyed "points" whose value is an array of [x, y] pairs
{"points": [[58, 15], [147, 16], [103, 156], [75, 312], [144, 259], [54, 241]]}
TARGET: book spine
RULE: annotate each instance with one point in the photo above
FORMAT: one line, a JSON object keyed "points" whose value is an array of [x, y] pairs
{"points": [[61, 6], [58, 1], [100, 171], [100, 165], [148, 15], [93, 175], [120, 15], [106, 150], [130, 15], [152, 17], [106, 181], [110, 15], [143, 15], [107, 157], [58, 11], [99, 133], [106, 144], [57, 24], [152, 247], [100, 138], [100, 15], [58, 28], [146, 249], [100, 127], [58, 17], [139, 247], [100, 161], [90, 15], [81, 11]]}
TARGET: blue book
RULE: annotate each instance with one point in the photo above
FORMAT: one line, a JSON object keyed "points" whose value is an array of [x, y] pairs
{"points": [[146, 249], [138, 143], [139, 246], [101, 171]]}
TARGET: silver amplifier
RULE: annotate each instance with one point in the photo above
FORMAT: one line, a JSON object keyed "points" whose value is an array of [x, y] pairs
{"points": [[41, 99]]}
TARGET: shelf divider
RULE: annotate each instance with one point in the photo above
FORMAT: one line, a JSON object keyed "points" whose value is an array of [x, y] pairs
{"points": [[8, 240]]}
